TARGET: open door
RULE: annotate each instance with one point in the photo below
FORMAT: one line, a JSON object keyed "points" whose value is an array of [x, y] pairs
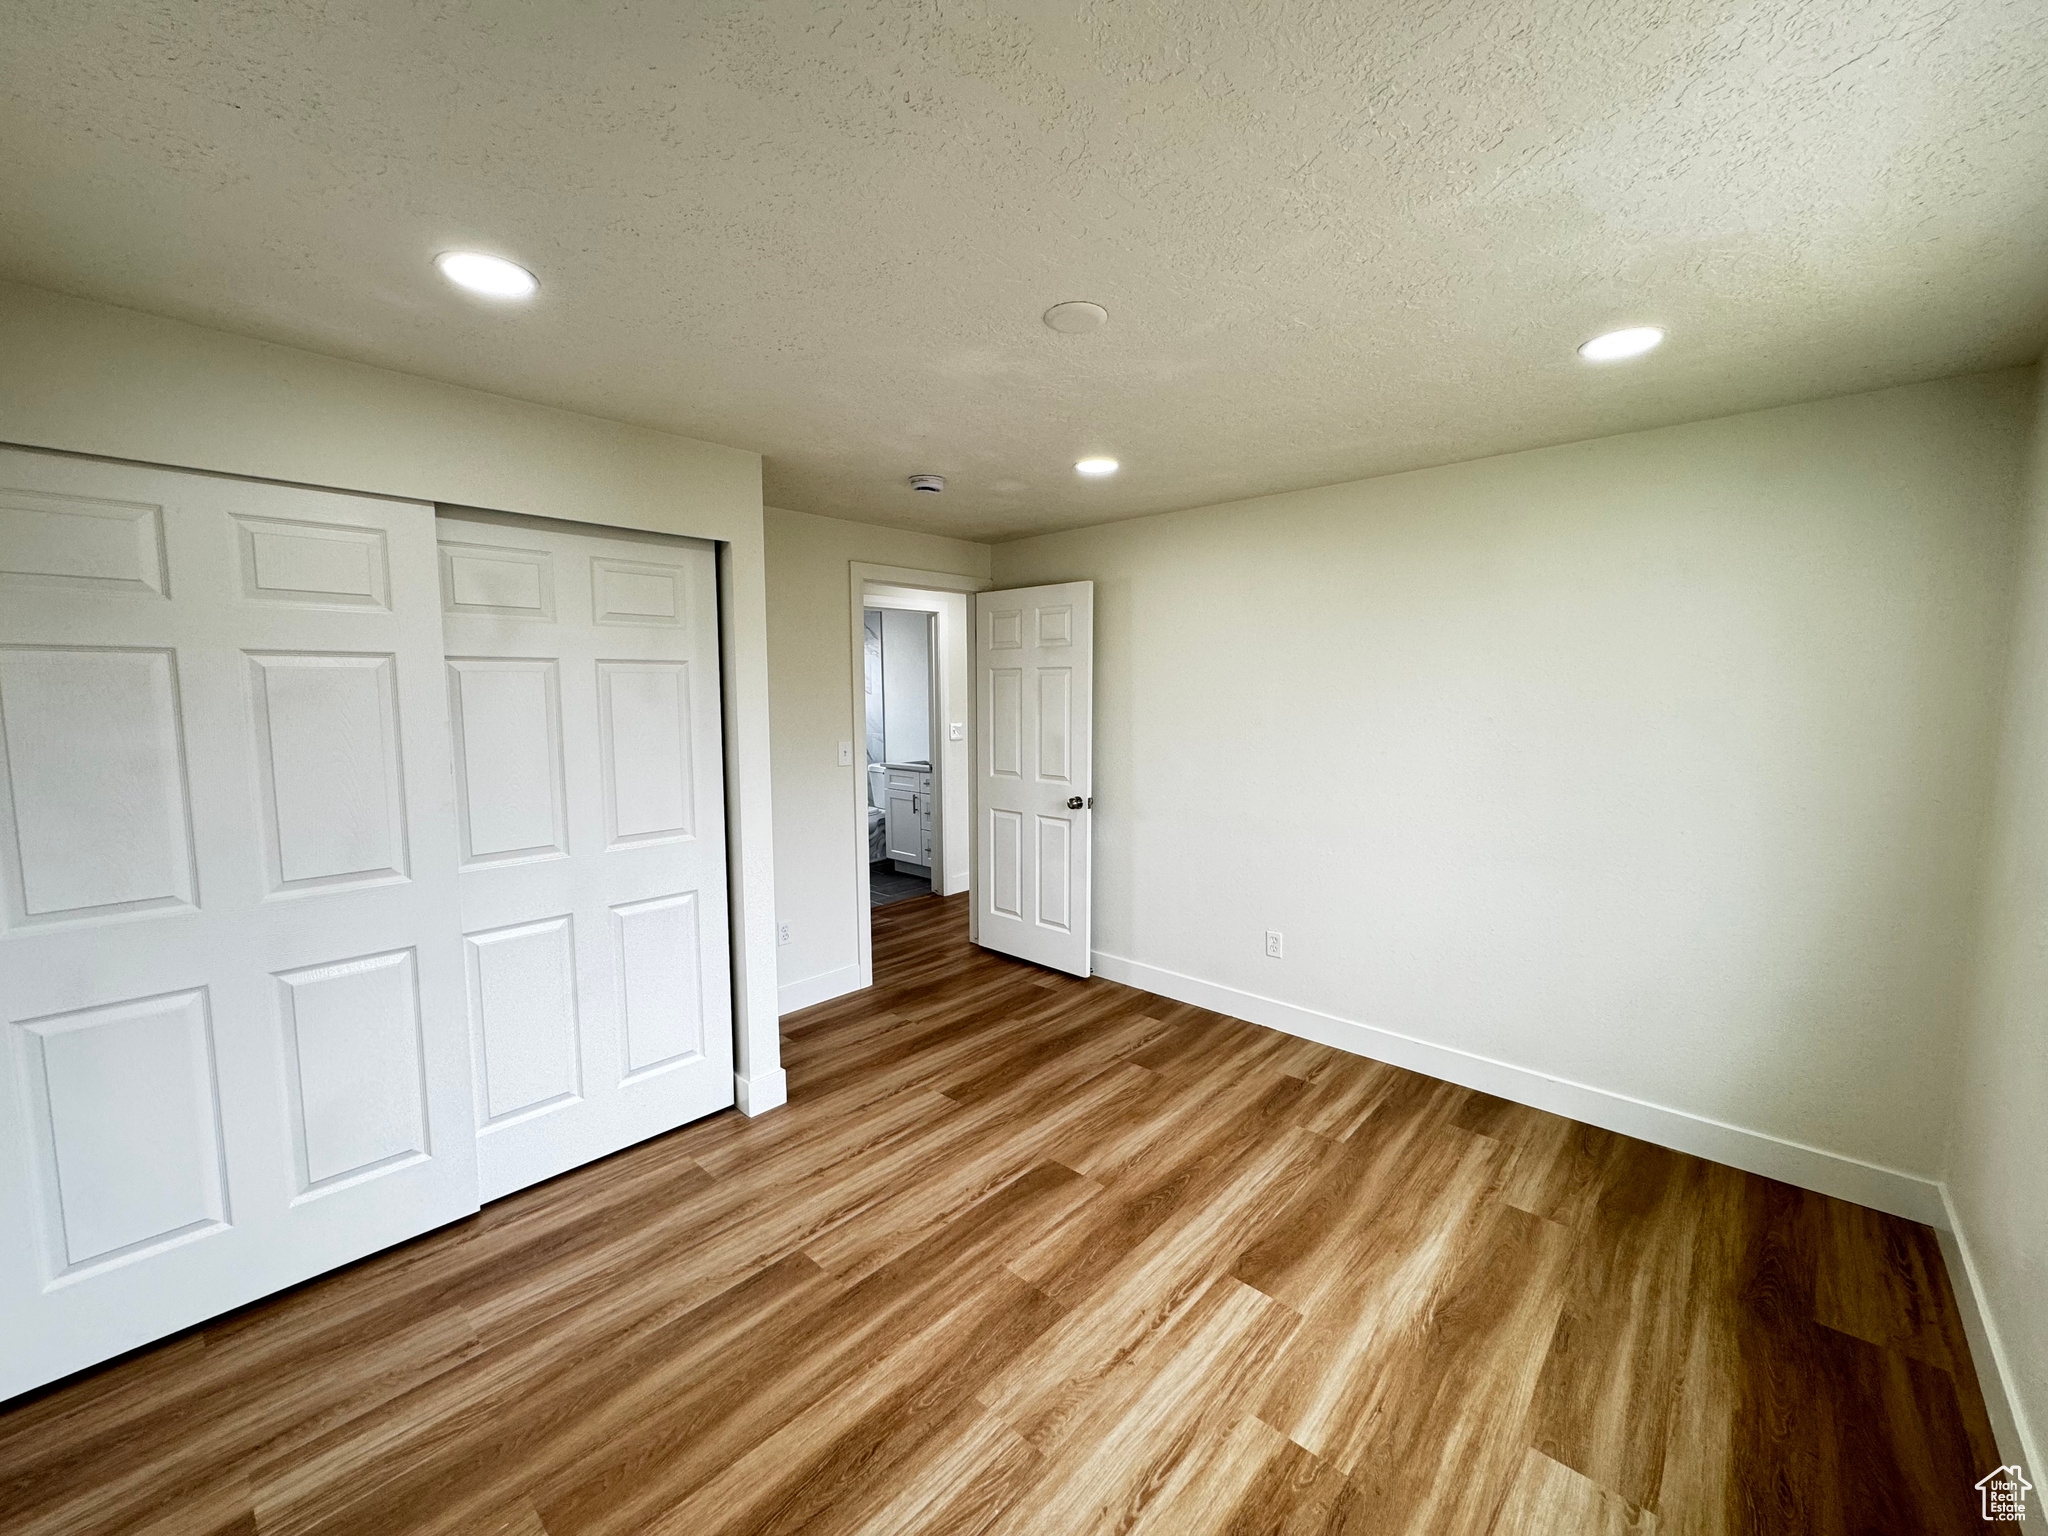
{"points": [[1034, 663]]}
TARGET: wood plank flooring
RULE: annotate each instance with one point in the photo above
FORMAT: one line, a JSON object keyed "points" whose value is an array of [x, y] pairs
{"points": [[1027, 1254]]}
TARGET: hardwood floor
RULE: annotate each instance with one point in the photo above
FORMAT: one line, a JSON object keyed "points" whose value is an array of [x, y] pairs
{"points": [[1028, 1254]]}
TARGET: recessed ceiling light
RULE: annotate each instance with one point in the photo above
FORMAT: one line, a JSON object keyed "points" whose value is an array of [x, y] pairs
{"points": [[1616, 345], [492, 276], [1095, 468], [1076, 317]]}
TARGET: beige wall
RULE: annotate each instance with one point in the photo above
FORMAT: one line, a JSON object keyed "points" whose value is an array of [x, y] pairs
{"points": [[1998, 1162], [89, 378], [818, 844], [1656, 764]]}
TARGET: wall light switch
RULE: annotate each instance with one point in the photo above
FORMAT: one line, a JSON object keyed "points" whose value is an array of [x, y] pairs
{"points": [[1272, 944], [846, 754], [957, 732]]}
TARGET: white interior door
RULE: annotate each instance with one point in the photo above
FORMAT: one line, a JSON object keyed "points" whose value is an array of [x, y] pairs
{"points": [[230, 968], [583, 693], [1034, 769]]}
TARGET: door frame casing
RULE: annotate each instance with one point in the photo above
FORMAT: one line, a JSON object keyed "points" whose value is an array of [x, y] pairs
{"points": [[860, 575]]}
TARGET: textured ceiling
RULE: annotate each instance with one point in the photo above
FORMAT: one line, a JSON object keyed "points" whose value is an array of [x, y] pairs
{"points": [[1335, 239]]}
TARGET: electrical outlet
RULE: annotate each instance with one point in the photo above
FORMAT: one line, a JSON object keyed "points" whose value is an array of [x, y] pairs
{"points": [[958, 731], [846, 754], [782, 934], [1272, 944]]}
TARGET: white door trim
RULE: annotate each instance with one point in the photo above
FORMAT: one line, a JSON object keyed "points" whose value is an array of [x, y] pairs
{"points": [[859, 575]]}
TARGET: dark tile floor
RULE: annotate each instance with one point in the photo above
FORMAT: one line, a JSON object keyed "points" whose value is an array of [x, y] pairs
{"points": [[886, 883]]}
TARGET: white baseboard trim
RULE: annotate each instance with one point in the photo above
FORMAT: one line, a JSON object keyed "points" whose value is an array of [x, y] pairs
{"points": [[1829, 1173], [1987, 1349], [792, 995], [760, 1093]]}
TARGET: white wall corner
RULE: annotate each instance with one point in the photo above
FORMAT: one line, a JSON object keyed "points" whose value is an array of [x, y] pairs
{"points": [[750, 815], [1829, 1173], [2009, 1424], [758, 1095], [812, 990]]}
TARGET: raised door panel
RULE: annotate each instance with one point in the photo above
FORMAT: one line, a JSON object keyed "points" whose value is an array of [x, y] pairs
{"points": [[314, 565], [86, 542], [126, 1115], [661, 988], [327, 738], [523, 1018], [644, 719], [632, 593], [1055, 871], [354, 1069], [1005, 627], [1006, 722], [97, 821], [506, 716], [509, 581], [1006, 863], [1055, 764]]}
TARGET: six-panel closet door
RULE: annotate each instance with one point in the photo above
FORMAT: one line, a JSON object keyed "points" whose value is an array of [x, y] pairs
{"points": [[231, 969], [582, 673]]}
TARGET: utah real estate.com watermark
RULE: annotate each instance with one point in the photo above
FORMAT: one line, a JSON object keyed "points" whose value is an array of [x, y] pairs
{"points": [[2005, 1491]]}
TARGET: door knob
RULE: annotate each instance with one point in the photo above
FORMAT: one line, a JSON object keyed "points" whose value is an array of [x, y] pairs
{"points": [[1074, 802]]}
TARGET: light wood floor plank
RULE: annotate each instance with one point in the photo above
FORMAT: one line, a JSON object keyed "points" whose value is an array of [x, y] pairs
{"points": [[1032, 1254], [1548, 1499]]}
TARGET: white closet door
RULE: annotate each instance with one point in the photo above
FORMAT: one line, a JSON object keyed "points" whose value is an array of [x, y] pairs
{"points": [[1034, 656], [230, 968], [583, 690]]}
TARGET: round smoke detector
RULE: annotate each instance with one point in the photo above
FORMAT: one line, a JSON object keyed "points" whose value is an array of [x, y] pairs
{"points": [[931, 485], [1076, 317]]}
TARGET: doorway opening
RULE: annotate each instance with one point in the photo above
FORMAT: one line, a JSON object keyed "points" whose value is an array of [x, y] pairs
{"points": [[905, 822], [912, 729]]}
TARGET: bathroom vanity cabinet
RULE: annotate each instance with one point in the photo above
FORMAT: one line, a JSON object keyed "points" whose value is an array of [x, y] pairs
{"points": [[908, 823]]}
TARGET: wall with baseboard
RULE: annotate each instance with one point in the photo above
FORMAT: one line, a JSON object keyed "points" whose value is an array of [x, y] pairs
{"points": [[1643, 777], [810, 698], [1998, 1158]]}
